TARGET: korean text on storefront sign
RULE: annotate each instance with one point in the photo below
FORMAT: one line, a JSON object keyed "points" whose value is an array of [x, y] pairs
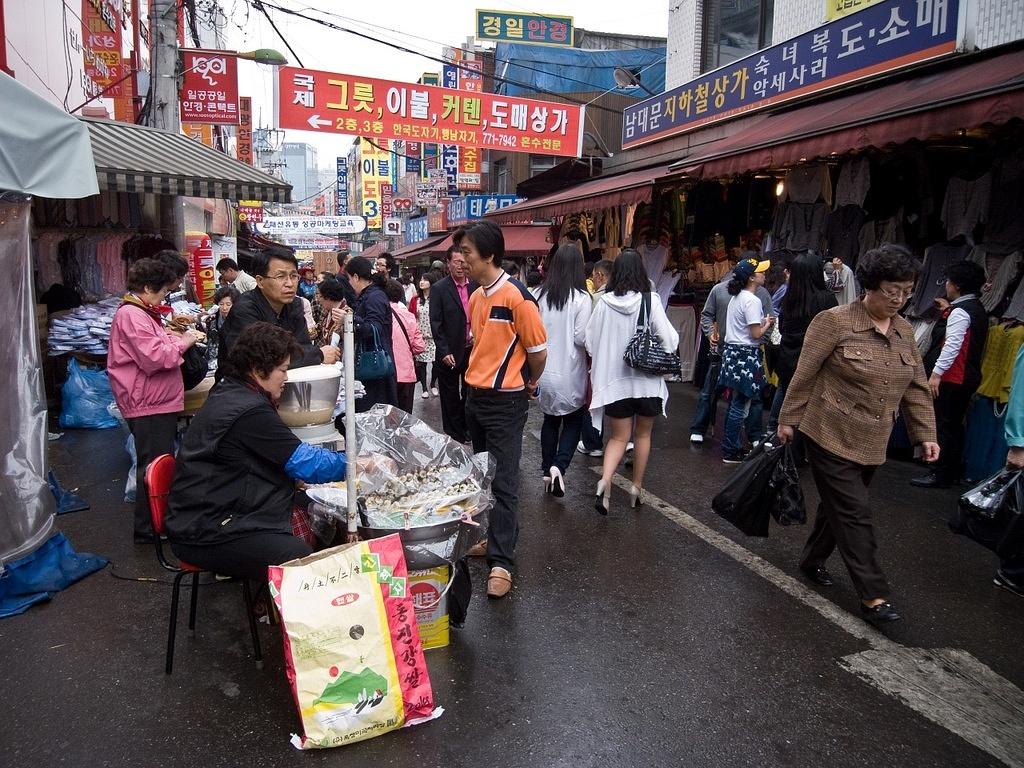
{"points": [[250, 211], [310, 224], [876, 39], [244, 147], [209, 90], [342, 190], [507, 27], [383, 109], [375, 169], [471, 207], [835, 9], [101, 45], [415, 230]]}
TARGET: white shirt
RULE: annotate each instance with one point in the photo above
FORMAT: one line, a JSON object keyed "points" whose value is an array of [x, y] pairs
{"points": [[745, 310], [244, 282], [563, 385], [957, 325], [612, 325]]}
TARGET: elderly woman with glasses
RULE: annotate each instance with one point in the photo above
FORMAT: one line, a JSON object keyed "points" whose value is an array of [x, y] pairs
{"points": [[858, 369]]}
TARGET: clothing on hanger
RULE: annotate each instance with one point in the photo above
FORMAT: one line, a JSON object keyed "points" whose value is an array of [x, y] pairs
{"points": [[808, 184], [966, 205], [854, 182]]}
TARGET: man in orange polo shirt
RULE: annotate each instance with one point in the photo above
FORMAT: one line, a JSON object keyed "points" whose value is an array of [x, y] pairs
{"points": [[509, 352]]}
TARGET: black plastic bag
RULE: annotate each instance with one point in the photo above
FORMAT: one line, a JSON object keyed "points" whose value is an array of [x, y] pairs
{"points": [[787, 496], [992, 513], [747, 498]]}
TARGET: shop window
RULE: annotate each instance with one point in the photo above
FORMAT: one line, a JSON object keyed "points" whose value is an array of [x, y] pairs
{"points": [[541, 163], [734, 29], [502, 180]]}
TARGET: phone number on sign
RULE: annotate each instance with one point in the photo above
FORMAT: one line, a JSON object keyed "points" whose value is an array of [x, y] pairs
{"points": [[500, 140]]}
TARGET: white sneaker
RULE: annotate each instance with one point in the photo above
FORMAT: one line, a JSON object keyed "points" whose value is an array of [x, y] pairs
{"points": [[425, 395], [433, 391], [696, 437], [629, 447]]}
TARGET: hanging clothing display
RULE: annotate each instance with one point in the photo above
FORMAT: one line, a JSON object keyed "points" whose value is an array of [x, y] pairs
{"points": [[842, 234], [874, 233], [985, 441], [1004, 231], [966, 205], [854, 182], [1004, 342], [808, 184], [999, 271], [931, 283], [800, 226]]}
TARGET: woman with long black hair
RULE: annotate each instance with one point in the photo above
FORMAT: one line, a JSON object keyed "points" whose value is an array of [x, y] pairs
{"points": [[372, 314], [565, 309], [621, 393], [806, 296]]}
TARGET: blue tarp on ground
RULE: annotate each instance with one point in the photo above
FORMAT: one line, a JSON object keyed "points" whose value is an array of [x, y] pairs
{"points": [[575, 70], [52, 567]]}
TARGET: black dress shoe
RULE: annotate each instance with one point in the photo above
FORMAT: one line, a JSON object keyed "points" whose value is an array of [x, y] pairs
{"points": [[818, 575], [930, 480], [880, 614]]}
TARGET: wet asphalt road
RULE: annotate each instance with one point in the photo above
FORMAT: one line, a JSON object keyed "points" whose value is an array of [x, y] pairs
{"points": [[627, 641]]}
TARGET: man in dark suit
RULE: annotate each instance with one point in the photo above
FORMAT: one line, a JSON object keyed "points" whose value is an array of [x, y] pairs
{"points": [[449, 323]]}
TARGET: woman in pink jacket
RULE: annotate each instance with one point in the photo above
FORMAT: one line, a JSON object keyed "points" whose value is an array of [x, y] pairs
{"points": [[144, 366], [407, 342]]}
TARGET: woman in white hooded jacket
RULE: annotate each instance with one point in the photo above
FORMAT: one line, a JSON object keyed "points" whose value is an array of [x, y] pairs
{"points": [[565, 308], [622, 393]]}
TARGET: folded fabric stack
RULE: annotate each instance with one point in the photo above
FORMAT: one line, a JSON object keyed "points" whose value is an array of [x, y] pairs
{"points": [[85, 329]]}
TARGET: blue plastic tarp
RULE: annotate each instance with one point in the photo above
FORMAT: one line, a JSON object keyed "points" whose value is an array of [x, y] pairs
{"points": [[574, 70], [34, 578]]}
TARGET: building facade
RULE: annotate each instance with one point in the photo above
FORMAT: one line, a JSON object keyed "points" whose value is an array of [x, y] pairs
{"points": [[299, 167]]}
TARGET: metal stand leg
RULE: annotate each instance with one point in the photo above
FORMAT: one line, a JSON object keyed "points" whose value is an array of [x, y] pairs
{"points": [[257, 653], [175, 592], [192, 608]]}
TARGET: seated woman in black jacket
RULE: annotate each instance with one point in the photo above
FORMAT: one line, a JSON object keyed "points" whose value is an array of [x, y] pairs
{"points": [[230, 504], [372, 315]]}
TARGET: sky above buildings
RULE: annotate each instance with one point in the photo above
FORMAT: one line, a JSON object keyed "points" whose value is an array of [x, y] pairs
{"points": [[424, 27]]}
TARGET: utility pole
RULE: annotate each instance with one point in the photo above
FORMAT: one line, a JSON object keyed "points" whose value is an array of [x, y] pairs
{"points": [[163, 113]]}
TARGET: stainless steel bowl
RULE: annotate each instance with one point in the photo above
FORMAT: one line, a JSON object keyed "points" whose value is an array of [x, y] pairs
{"points": [[309, 396]]}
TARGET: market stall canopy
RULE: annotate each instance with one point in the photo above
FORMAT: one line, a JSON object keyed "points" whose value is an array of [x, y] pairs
{"points": [[987, 91], [603, 192], [374, 251], [134, 158], [521, 240], [43, 150]]}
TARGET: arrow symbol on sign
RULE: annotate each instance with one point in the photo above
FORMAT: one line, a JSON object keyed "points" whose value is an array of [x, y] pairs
{"points": [[316, 121]]}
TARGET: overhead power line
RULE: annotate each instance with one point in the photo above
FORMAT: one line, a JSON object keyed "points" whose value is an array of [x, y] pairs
{"points": [[528, 86]]}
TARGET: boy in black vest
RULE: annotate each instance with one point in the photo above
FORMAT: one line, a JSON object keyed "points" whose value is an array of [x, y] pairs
{"points": [[953, 362]]}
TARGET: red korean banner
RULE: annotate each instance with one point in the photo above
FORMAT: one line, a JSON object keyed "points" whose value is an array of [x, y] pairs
{"points": [[209, 90], [325, 102], [101, 45]]}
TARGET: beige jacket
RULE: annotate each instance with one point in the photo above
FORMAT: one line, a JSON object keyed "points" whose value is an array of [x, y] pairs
{"points": [[851, 381]]}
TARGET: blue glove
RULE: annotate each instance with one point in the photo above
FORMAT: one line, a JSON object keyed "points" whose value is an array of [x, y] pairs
{"points": [[315, 465]]}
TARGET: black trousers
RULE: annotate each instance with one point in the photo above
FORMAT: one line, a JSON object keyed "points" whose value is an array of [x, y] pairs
{"points": [[843, 521], [950, 411], [451, 387], [245, 556], [421, 373], [406, 395], [154, 436], [378, 391], [496, 421]]}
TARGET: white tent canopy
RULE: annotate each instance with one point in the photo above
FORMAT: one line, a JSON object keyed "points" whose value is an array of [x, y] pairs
{"points": [[43, 150]]}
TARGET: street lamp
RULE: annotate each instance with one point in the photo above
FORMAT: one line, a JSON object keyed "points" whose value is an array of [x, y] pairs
{"points": [[264, 56], [627, 78]]}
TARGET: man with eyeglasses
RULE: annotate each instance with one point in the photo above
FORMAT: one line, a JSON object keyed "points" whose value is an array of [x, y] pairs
{"points": [[273, 301]]}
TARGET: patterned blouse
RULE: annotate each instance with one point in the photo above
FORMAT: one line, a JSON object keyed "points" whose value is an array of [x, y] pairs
{"points": [[423, 319]]}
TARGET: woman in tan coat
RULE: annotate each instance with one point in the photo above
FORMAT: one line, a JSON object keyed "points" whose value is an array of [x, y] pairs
{"points": [[859, 367]]}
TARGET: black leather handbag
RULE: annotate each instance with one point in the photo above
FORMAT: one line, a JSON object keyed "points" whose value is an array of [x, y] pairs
{"points": [[644, 351]]}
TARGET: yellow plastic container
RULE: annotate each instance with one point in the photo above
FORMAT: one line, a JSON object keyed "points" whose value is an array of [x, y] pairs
{"points": [[431, 603]]}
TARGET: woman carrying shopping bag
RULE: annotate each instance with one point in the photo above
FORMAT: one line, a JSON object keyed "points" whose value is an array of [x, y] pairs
{"points": [[565, 308], [407, 343], [372, 314], [419, 305]]}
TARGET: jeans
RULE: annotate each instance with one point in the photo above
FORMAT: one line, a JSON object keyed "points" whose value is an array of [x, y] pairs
{"points": [[591, 435], [703, 416], [742, 409], [496, 421], [1013, 569], [558, 438], [773, 414]]}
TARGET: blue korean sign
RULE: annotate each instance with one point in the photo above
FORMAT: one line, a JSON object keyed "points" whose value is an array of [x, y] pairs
{"points": [[449, 76], [342, 192], [416, 230], [412, 157], [874, 40], [450, 163], [510, 27], [472, 207]]}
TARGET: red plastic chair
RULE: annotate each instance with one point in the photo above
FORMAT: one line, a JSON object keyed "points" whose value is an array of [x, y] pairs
{"points": [[159, 475]]}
